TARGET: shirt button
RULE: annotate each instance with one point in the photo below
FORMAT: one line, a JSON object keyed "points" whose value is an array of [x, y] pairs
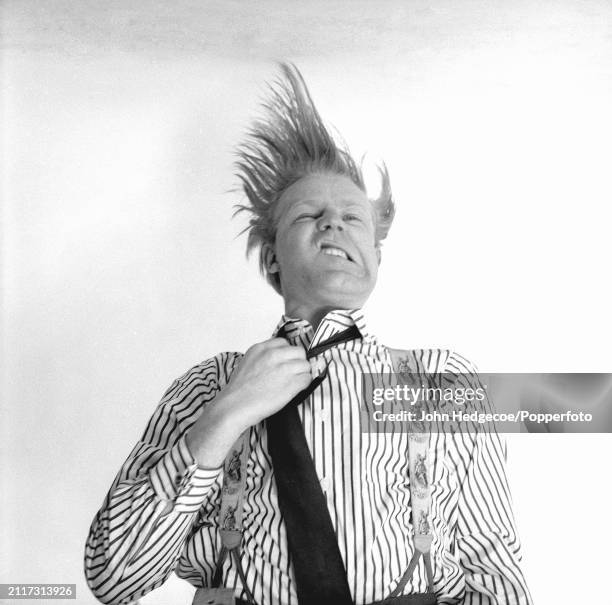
{"points": [[325, 483]]}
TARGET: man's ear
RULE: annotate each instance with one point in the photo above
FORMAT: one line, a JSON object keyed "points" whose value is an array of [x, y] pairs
{"points": [[378, 254], [269, 258]]}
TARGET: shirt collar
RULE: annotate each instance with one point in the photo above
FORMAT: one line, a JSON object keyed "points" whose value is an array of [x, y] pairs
{"points": [[301, 330]]}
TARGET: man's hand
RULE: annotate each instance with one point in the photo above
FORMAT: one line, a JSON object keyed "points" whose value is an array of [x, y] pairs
{"points": [[269, 375]]}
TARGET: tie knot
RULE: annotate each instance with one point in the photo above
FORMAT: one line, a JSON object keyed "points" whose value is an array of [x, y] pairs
{"points": [[350, 333]]}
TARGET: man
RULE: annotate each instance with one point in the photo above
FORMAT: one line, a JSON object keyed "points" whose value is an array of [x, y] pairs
{"points": [[319, 239]]}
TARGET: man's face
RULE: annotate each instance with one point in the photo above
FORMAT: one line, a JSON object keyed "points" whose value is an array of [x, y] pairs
{"points": [[325, 249]]}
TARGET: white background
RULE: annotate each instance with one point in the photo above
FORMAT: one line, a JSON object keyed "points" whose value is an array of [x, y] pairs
{"points": [[121, 268]]}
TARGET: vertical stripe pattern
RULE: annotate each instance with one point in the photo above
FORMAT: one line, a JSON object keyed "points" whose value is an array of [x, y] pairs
{"points": [[160, 514]]}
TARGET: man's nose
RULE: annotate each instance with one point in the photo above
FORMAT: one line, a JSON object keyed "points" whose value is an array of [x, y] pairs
{"points": [[330, 220]]}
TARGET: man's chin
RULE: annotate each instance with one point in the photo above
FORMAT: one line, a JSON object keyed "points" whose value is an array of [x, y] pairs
{"points": [[342, 292]]}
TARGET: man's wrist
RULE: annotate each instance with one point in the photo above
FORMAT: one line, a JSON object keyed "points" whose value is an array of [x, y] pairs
{"points": [[215, 431]]}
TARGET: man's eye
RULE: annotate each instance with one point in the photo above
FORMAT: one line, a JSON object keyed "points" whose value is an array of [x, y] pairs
{"points": [[304, 216], [352, 217]]}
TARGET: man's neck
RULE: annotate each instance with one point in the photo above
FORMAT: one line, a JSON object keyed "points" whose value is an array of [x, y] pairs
{"points": [[313, 316]]}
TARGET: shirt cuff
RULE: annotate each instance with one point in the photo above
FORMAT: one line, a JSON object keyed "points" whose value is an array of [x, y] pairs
{"points": [[177, 479]]}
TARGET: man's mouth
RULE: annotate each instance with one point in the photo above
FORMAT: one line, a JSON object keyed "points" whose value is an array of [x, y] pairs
{"points": [[332, 250]]}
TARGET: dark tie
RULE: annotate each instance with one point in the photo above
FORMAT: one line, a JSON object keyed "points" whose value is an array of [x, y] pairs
{"points": [[317, 564]]}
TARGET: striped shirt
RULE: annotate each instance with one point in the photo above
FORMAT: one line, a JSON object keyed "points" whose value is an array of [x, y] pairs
{"points": [[160, 514]]}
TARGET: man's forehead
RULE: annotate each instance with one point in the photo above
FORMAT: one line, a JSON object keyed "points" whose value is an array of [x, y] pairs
{"points": [[317, 188]]}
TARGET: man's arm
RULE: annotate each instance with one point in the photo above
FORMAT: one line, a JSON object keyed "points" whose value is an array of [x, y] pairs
{"points": [[487, 540], [137, 536]]}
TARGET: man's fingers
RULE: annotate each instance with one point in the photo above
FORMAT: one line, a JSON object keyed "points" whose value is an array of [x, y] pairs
{"points": [[266, 345], [280, 344], [296, 367], [275, 342], [288, 353]]}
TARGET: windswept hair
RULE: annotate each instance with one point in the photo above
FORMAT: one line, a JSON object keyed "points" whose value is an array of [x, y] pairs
{"points": [[291, 141]]}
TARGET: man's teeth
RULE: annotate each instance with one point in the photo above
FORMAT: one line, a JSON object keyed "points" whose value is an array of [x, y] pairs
{"points": [[335, 252]]}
